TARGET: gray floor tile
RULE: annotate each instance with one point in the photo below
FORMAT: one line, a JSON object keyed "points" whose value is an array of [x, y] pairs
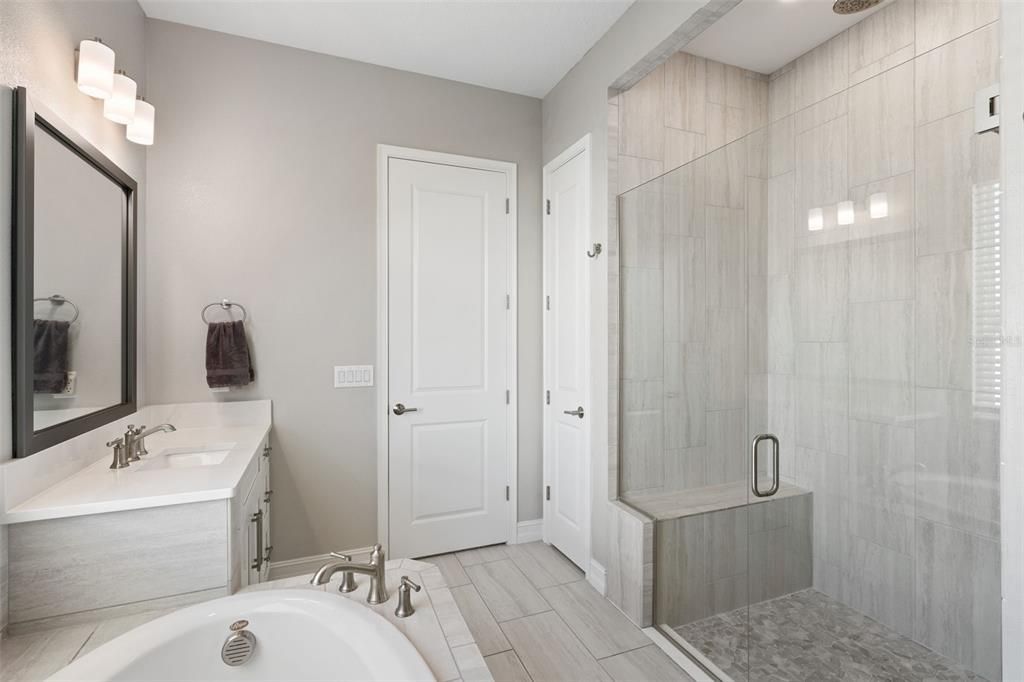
{"points": [[37, 655], [602, 628], [544, 565], [505, 590], [649, 664], [486, 633], [451, 569], [506, 667], [471, 557], [550, 651]]}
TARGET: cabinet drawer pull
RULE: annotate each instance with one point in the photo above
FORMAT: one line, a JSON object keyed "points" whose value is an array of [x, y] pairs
{"points": [[257, 563]]}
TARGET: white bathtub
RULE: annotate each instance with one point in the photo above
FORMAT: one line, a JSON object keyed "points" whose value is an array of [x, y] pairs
{"points": [[300, 635]]}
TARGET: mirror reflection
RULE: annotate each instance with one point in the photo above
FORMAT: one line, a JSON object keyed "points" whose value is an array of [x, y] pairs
{"points": [[77, 285]]}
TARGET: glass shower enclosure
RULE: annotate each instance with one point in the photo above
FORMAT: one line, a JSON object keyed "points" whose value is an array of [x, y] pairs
{"points": [[810, 393]]}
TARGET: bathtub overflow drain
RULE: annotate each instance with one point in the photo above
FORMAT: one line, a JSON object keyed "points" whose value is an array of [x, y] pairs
{"points": [[239, 645]]}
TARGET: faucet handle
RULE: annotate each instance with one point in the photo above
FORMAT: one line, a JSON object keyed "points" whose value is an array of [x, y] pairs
{"points": [[348, 579], [120, 461], [116, 442], [407, 583], [405, 608], [339, 555]]}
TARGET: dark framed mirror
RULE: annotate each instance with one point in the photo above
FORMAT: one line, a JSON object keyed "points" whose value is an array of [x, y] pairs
{"points": [[75, 214]]}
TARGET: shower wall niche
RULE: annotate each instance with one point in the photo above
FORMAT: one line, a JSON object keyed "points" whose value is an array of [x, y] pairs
{"points": [[821, 261]]}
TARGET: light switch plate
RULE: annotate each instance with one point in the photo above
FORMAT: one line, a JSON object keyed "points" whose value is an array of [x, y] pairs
{"points": [[353, 376]]}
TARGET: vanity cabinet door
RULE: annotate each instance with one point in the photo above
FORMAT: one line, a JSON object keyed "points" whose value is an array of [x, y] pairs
{"points": [[252, 514]]}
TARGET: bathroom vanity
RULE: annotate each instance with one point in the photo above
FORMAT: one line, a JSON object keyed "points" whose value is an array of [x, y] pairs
{"points": [[188, 522]]}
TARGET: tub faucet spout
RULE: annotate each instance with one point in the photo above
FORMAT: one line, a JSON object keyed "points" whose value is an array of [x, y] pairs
{"points": [[378, 593]]}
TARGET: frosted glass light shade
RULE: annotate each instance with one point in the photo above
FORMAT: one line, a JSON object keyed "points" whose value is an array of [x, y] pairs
{"points": [[140, 130], [120, 106], [95, 74], [878, 205], [844, 214], [815, 219]]}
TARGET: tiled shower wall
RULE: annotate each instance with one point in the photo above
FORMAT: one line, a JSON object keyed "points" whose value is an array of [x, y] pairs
{"points": [[859, 347]]}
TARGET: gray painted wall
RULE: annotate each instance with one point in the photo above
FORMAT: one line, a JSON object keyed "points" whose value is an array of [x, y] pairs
{"points": [[576, 106], [263, 190], [37, 42]]}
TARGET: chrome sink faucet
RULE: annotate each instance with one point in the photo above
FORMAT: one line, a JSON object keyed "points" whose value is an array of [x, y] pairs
{"points": [[135, 439], [378, 593]]}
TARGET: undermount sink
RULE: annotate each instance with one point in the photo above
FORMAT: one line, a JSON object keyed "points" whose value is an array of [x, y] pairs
{"points": [[186, 458]]}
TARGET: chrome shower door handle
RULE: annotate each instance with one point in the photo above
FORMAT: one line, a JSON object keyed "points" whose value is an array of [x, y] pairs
{"points": [[401, 409], [578, 412], [775, 465]]}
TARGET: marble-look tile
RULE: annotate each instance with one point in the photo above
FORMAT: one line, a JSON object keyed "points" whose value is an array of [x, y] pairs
{"points": [[880, 583], [772, 325], [945, 325], [758, 154], [725, 124], [683, 190], [685, 286], [727, 352], [725, 543], [115, 627], [726, 258], [780, 247], [643, 324], [481, 623], [634, 171], [641, 227], [822, 72], [940, 21], [820, 113], [951, 159], [899, 194], [37, 655], [773, 410], [882, 40], [881, 122], [449, 615], [681, 589], [601, 627], [727, 446], [726, 176], [781, 143], [685, 403], [543, 565], [947, 78], [685, 92], [822, 396], [881, 484], [647, 663], [479, 555], [781, 93], [682, 147], [471, 664], [822, 292], [685, 468], [821, 171], [642, 117], [825, 474], [881, 361], [642, 435], [505, 590], [451, 569], [882, 268], [550, 651], [957, 468], [956, 597], [506, 667]]}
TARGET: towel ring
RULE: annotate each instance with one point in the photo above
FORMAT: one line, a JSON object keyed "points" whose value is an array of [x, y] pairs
{"points": [[58, 300], [226, 305]]}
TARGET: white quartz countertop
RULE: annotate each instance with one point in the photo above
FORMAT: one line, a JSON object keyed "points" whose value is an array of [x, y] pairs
{"points": [[98, 489]]}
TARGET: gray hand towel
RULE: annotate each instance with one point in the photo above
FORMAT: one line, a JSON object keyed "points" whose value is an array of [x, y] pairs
{"points": [[227, 355], [51, 352]]}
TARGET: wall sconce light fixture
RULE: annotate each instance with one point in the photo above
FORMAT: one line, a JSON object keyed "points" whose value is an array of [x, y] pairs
{"points": [[140, 130], [120, 106], [95, 72]]}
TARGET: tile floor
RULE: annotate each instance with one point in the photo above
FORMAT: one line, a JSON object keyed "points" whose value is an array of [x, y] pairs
{"points": [[809, 636], [535, 617]]}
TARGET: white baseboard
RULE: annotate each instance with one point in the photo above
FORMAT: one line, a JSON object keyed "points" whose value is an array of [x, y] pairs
{"points": [[596, 576], [529, 531], [308, 564]]}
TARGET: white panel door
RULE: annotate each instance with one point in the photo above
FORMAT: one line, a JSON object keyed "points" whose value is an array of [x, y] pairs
{"points": [[448, 349], [566, 451]]}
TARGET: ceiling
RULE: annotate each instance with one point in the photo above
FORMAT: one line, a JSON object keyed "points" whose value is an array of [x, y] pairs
{"points": [[765, 35], [517, 46]]}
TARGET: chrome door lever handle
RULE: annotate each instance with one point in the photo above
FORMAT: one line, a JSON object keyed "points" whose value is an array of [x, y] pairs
{"points": [[401, 409], [578, 412]]}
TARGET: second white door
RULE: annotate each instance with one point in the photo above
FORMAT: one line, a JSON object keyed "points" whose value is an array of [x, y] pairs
{"points": [[566, 366], [449, 317]]}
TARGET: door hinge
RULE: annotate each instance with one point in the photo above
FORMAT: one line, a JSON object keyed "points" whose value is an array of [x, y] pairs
{"points": [[508, 301], [548, 206], [508, 397], [547, 397], [508, 493], [547, 302], [547, 493], [507, 206]]}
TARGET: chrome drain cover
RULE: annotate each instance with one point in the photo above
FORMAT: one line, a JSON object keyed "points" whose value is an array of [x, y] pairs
{"points": [[239, 646]]}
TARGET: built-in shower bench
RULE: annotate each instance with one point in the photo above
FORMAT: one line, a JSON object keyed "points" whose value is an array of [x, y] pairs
{"points": [[678, 504]]}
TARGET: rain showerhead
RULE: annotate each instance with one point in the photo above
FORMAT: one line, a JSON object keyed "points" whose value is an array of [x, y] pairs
{"points": [[853, 6]]}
